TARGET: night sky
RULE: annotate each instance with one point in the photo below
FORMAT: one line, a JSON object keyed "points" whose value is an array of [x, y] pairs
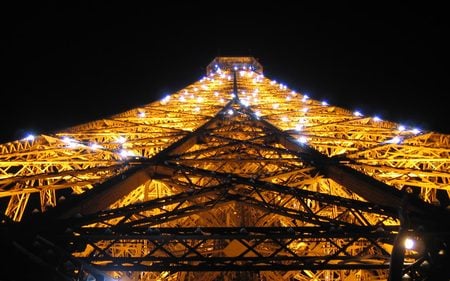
{"points": [[65, 65]]}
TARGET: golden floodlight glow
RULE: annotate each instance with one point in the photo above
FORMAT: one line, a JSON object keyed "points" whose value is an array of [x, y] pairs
{"points": [[239, 152]]}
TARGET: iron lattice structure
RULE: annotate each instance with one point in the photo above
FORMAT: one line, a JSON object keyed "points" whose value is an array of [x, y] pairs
{"points": [[235, 177]]}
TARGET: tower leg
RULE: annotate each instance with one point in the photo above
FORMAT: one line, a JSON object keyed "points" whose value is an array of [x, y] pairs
{"points": [[397, 257]]}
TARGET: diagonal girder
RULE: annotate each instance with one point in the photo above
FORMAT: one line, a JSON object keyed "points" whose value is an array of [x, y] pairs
{"points": [[235, 188]]}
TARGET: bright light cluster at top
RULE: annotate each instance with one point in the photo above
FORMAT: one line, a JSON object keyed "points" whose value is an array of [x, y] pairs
{"points": [[268, 98]]}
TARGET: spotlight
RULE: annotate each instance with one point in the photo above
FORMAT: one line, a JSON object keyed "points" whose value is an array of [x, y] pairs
{"points": [[409, 243]]}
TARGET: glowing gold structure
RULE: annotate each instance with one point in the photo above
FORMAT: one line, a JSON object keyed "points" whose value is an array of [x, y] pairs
{"points": [[242, 177]]}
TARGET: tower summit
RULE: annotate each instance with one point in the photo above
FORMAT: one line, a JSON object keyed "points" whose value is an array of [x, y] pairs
{"points": [[234, 63], [234, 177]]}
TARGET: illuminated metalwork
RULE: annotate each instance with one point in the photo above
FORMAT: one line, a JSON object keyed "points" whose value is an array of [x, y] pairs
{"points": [[235, 177]]}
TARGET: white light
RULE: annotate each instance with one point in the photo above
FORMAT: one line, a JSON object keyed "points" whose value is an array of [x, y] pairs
{"points": [[182, 99], [415, 131], [394, 140], [293, 93], [357, 113], [409, 243], [229, 77], [71, 143], [288, 98], [299, 127], [245, 103], [141, 114], [67, 140], [204, 87], [324, 103], [241, 73], [30, 137], [284, 119], [121, 139], [197, 109], [258, 113], [216, 94], [199, 99], [126, 153], [376, 118], [221, 100], [165, 99], [235, 68], [233, 96], [195, 89], [95, 146], [230, 111], [302, 140], [305, 109], [401, 128], [275, 105]]}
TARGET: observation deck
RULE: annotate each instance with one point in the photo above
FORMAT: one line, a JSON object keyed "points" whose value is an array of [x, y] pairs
{"points": [[234, 63]]}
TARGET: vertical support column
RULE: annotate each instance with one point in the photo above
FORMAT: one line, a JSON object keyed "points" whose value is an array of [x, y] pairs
{"points": [[16, 206], [397, 257], [398, 251], [48, 199]]}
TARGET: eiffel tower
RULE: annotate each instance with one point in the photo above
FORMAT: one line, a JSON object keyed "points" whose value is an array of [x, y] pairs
{"points": [[234, 177]]}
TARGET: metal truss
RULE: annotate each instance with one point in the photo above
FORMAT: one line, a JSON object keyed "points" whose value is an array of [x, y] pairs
{"points": [[260, 249], [235, 177]]}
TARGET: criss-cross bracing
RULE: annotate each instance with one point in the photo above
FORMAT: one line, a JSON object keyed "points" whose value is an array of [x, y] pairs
{"points": [[235, 177]]}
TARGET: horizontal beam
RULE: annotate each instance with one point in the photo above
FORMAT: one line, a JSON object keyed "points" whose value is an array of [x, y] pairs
{"points": [[202, 233], [235, 248], [249, 266]]}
